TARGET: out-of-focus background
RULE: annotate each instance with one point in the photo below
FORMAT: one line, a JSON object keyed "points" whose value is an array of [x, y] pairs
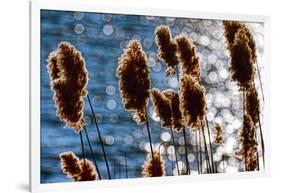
{"points": [[101, 39]]}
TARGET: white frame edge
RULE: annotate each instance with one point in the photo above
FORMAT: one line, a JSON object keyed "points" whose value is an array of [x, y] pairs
{"points": [[88, 6]]}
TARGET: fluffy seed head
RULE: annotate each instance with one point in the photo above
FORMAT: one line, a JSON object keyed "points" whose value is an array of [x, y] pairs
{"points": [[247, 151], [75, 168], [188, 60], [192, 102], [134, 83], [68, 80], [166, 48], [159, 165], [88, 172], [252, 106], [166, 104], [230, 30], [218, 134], [70, 164], [241, 65]]}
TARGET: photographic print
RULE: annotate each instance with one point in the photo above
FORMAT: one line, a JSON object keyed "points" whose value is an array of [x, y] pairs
{"points": [[125, 96]]}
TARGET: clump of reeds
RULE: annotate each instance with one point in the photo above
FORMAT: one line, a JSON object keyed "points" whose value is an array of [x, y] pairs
{"points": [[134, 83], [166, 48], [69, 78], [241, 65], [192, 102], [218, 134], [242, 47], [154, 168], [78, 170], [166, 104], [188, 60], [247, 151]]}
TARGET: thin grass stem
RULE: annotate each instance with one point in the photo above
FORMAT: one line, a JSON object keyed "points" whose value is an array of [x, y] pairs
{"points": [[197, 154], [99, 135], [210, 143], [83, 150], [186, 156], [174, 144], [150, 141], [209, 170], [92, 152]]}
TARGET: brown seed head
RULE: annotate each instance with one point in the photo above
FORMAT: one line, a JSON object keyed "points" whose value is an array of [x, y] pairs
{"points": [[159, 165], [252, 107], [166, 48], [68, 79], [70, 164], [88, 172], [166, 104], [173, 98], [241, 65], [188, 60], [230, 30], [248, 145], [192, 102], [134, 83], [218, 134], [75, 168]]}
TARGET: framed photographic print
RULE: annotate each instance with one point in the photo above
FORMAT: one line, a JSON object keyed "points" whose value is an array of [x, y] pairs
{"points": [[135, 96]]}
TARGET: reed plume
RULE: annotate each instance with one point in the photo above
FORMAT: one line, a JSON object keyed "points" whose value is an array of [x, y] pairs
{"points": [[241, 65], [230, 30], [252, 104], [173, 98], [70, 164], [218, 134], [154, 170], [247, 151], [78, 170], [88, 173], [166, 104], [188, 60], [166, 48], [162, 107], [134, 83], [69, 78], [192, 102]]}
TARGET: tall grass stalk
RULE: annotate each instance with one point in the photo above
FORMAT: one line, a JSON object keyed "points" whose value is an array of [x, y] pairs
{"points": [[99, 135], [92, 152]]}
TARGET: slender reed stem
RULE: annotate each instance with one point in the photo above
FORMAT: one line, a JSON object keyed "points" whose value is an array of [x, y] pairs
{"points": [[245, 150], [83, 150], [173, 139], [150, 141], [197, 155], [223, 164], [209, 170], [119, 168], [261, 133], [186, 156], [92, 152], [200, 151], [260, 79], [262, 142], [210, 143], [126, 165], [99, 135]]}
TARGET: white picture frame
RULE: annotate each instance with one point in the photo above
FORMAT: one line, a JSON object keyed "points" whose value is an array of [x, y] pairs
{"points": [[92, 6]]}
